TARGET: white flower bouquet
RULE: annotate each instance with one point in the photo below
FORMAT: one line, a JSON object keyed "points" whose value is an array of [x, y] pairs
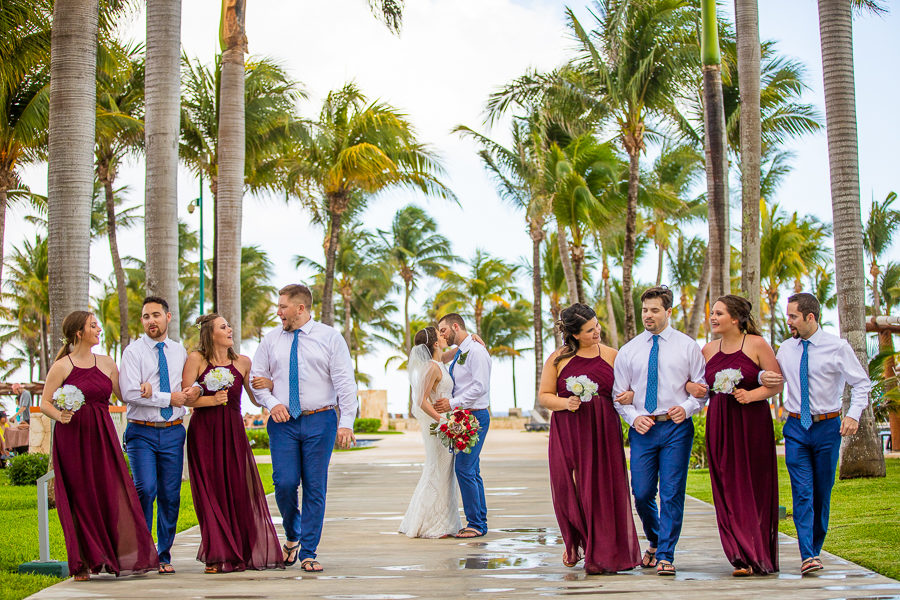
{"points": [[727, 380], [581, 386], [68, 397], [219, 378]]}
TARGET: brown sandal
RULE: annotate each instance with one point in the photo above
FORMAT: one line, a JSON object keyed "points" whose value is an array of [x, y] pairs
{"points": [[648, 561], [742, 572], [166, 569], [566, 561], [213, 568], [665, 568], [82, 576], [310, 565]]}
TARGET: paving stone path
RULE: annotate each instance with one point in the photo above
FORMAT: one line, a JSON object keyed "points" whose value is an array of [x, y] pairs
{"points": [[365, 559]]}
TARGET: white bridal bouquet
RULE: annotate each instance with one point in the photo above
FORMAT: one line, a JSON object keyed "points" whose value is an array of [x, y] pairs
{"points": [[727, 380], [68, 397], [219, 378], [581, 386]]}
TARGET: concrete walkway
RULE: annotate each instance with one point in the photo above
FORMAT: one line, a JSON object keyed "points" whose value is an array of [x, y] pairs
{"points": [[365, 559]]}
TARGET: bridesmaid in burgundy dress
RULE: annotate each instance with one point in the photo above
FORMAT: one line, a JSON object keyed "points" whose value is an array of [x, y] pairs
{"points": [[236, 530], [97, 503], [588, 479], [740, 440]]}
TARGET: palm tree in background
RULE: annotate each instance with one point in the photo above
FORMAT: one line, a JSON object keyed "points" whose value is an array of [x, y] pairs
{"points": [[356, 150], [28, 288], [503, 328], [553, 281], [685, 268], [878, 237], [257, 294]]}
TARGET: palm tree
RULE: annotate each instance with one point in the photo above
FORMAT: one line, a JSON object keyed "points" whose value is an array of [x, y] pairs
{"points": [[685, 269], [489, 282], [861, 454], [29, 291], [636, 58], [257, 293], [120, 131], [554, 285], [163, 95], [356, 151], [878, 236], [503, 327], [719, 247], [414, 249]]}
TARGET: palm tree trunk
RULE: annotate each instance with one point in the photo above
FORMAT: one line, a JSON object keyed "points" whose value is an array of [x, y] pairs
{"points": [[515, 400], [566, 261], [161, 135], [861, 454], [73, 105], [3, 200], [746, 14], [121, 289], [611, 326], [537, 238], [348, 323], [555, 310], [44, 352], [716, 154], [876, 297], [634, 175], [578, 268], [773, 315], [698, 310], [407, 334], [231, 147], [659, 263], [334, 234]]}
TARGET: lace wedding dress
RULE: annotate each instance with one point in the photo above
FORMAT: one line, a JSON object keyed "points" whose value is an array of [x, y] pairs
{"points": [[434, 510]]}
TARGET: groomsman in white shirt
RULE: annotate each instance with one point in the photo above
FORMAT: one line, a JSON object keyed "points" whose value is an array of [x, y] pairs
{"points": [[651, 373], [815, 366], [302, 372], [150, 380]]}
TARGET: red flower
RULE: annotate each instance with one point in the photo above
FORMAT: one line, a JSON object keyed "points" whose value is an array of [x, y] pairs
{"points": [[444, 427], [461, 445]]}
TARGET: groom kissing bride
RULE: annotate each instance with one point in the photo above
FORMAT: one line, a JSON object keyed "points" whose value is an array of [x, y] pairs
{"points": [[463, 373]]}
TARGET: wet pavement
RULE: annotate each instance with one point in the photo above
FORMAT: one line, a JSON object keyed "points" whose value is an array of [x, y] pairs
{"points": [[365, 559]]}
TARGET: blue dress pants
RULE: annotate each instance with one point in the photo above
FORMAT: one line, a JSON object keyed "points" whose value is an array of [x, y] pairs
{"points": [[468, 474], [156, 456], [301, 450], [811, 456], [660, 458]]}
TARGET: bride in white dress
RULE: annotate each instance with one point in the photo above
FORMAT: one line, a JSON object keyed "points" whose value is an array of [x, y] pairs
{"points": [[433, 510]]}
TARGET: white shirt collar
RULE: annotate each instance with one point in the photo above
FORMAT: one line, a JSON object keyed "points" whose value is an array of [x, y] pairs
{"points": [[815, 339], [152, 344]]}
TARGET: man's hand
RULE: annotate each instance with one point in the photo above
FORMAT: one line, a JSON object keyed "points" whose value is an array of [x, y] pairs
{"points": [[677, 414], [770, 379], [177, 398], [221, 397], [192, 393], [643, 423], [574, 403], [146, 390], [65, 416], [849, 426], [258, 383], [742, 396], [345, 437], [280, 414], [442, 405], [697, 390], [626, 397]]}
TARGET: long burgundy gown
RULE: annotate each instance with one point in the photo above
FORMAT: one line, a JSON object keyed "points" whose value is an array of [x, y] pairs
{"points": [[97, 503], [743, 469], [236, 530], [588, 478]]}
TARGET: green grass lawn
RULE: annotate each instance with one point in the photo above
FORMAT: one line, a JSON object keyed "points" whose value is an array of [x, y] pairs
{"points": [[865, 517], [19, 533]]}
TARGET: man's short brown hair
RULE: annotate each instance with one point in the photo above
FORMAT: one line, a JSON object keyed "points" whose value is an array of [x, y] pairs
{"points": [[807, 304], [453, 319], [297, 292], [661, 292]]}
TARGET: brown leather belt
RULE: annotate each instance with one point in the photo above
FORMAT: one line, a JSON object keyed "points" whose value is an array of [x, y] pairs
{"points": [[318, 410], [660, 417], [816, 418], [156, 424]]}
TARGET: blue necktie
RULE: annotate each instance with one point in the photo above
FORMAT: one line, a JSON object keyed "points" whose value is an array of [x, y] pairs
{"points": [[652, 377], [294, 379], [165, 412], [453, 364], [805, 416]]}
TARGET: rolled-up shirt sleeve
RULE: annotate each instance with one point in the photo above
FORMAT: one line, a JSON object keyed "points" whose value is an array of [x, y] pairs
{"points": [[697, 365], [262, 368], [856, 376], [130, 379], [344, 381], [622, 383]]}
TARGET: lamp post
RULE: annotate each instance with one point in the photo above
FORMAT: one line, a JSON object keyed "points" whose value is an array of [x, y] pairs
{"points": [[198, 203]]}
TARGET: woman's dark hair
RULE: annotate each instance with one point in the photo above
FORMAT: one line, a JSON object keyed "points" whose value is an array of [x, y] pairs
{"points": [[571, 320], [427, 336], [71, 325], [205, 346], [740, 308]]}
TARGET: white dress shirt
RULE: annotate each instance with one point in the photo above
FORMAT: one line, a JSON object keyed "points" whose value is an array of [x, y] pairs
{"points": [[325, 370], [679, 361], [472, 378], [140, 364], [831, 363]]}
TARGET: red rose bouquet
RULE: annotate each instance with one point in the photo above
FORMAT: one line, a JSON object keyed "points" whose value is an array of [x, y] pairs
{"points": [[459, 432]]}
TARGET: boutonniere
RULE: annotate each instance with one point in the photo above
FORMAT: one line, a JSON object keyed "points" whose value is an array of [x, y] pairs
{"points": [[462, 358]]}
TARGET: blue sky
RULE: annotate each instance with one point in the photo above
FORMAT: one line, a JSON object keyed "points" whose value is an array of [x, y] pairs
{"points": [[450, 56]]}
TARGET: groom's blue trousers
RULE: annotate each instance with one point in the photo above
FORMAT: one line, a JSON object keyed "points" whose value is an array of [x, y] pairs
{"points": [[661, 456], [301, 450], [468, 474]]}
